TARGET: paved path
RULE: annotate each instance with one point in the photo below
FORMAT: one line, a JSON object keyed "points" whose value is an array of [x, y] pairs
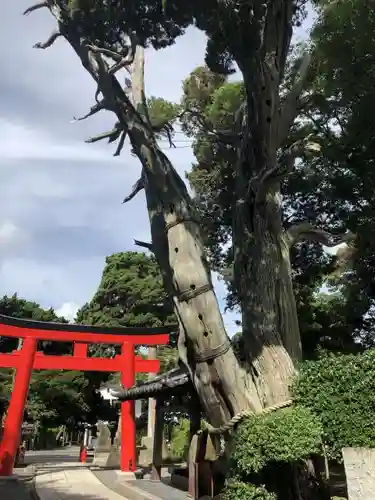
{"points": [[71, 481], [60, 477]]}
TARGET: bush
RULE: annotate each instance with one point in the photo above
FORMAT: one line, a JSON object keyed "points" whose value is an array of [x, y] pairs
{"points": [[180, 439], [287, 435], [237, 490], [340, 391]]}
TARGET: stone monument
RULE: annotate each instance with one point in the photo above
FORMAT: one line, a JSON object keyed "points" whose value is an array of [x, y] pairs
{"points": [[103, 446], [360, 472]]}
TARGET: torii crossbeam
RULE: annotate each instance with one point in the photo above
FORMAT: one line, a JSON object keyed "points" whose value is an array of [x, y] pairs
{"points": [[27, 359]]}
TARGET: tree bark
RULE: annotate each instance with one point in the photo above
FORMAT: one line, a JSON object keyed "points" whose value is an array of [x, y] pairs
{"points": [[262, 267]]}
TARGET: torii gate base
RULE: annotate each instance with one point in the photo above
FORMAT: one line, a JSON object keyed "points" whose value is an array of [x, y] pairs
{"points": [[28, 359]]}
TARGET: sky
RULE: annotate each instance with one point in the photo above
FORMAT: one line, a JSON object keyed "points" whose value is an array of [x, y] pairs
{"points": [[60, 199]]}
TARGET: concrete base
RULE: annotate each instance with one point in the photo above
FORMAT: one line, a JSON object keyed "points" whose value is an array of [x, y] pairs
{"points": [[107, 458], [101, 458], [126, 476]]}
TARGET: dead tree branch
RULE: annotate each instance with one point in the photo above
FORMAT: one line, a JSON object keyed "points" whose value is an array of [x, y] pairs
{"points": [[290, 108], [270, 176], [138, 186], [37, 6], [123, 57], [143, 244], [112, 135], [50, 41], [306, 231], [121, 143], [93, 110]]}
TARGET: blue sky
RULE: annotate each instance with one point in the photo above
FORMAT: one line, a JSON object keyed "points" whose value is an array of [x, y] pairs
{"points": [[60, 208]]}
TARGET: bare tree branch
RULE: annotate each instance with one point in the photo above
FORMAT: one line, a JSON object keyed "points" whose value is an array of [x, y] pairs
{"points": [[121, 143], [284, 166], [290, 108], [37, 6], [138, 186], [104, 52], [306, 231], [93, 110], [123, 58], [50, 41], [167, 128], [143, 244], [106, 135]]}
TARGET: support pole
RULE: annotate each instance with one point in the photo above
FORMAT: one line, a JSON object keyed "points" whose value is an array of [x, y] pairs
{"points": [[152, 354], [157, 450], [128, 430], [13, 423]]}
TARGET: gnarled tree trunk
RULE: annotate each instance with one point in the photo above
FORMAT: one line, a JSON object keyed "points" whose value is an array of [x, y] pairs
{"points": [[262, 261]]}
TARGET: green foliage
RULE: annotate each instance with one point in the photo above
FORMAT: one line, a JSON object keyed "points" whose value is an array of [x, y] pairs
{"points": [[130, 293], [161, 111], [287, 435], [238, 490], [20, 308], [340, 391], [180, 439]]}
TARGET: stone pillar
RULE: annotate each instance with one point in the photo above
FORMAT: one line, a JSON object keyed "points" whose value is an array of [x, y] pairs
{"points": [[86, 436], [360, 472], [103, 445]]}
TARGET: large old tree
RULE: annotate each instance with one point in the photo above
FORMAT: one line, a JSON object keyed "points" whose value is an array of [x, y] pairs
{"points": [[256, 36]]}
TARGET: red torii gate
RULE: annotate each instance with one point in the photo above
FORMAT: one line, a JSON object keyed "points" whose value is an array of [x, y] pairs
{"points": [[27, 359]]}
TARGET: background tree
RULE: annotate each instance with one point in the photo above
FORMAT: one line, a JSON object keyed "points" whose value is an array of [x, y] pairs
{"points": [[54, 396], [20, 308], [131, 293], [212, 102], [338, 110]]}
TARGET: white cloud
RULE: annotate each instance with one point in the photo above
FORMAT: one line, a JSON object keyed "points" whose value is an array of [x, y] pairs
{"points": [[8, 231], [68, 310], [21, 142]]}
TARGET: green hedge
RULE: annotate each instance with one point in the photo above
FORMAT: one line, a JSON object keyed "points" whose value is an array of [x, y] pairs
{"points": [[237, 490], [287, 435], [340, 391]]}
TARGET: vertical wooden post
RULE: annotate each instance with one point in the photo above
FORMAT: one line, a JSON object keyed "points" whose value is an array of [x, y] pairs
{"points": [[193, 466], [128, 429], [13, 423], [157, 450], [152, 354]]}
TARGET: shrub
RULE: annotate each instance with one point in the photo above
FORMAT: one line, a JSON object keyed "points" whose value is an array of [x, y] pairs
{"points": [[340, 391], [237, 490], [180, 439], [287, 435]]}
